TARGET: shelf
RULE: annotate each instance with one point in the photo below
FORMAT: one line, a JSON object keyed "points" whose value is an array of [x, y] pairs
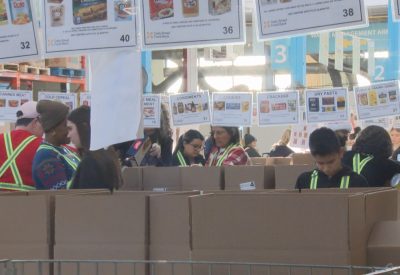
{"points": [[44, 78]]}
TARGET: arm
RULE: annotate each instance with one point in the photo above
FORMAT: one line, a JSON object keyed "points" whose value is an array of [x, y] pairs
{"points": [[236, 157]]}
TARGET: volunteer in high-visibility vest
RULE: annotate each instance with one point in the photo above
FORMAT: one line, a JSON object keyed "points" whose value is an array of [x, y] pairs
{"points": [[227, 149], [330, 173], [370, 154], [188, 150], [18, 148], [54, 164]]}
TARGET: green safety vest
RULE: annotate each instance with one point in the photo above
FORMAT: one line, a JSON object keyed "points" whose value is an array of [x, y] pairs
{"points": [[358, 165], [72, 161], [181, 159], [344, 182], [224, 155], [11, 163]]}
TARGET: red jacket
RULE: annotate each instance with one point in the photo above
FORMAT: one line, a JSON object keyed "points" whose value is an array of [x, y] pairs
{"points": [[23, 160]]}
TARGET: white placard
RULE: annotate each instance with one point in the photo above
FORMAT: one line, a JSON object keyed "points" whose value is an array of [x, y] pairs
{"points": [[190, 108], [396, 7], [247, 186], [68, 99], [356, 55], [324, 105], [281, 18], [377, 100], [151, 111], [371, 58], [278, 108], [232, 109], [323, 56], [10, 101], [17, 31], [339, 51], [180, 23], [300, 135], [85, 99], [383, 122], [76, 26]]}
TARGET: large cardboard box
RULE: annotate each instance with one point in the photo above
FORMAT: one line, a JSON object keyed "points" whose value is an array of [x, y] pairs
{"points": [[132, 177], [161, 179], [239, 177], [302, 159], [384, 244], [278, 161], [201, 178], [72, 62], [258, 161], [286, 175]]}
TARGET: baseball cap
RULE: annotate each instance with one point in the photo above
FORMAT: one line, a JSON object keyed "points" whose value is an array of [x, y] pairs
{"points": [[27, 110]]}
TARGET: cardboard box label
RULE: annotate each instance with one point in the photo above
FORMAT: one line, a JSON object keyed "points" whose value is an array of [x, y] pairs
{"points": [[246, 186]]}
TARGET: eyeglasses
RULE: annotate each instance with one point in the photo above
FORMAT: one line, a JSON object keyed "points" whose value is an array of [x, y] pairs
{"points": [[196, 146]]}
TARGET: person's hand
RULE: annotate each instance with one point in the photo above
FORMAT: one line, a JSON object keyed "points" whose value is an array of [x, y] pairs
{"points": [[155, 150]]}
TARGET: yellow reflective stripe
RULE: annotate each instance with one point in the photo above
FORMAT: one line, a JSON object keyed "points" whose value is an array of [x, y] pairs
{"points": [[225, 154], [364, 162], [345, 182], [69, 184], [68, 160], [11, 186], [181, 159], [9, 150], [314, 180], [356, 163]]}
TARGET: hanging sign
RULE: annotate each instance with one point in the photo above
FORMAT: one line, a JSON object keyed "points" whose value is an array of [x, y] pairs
{"points": [[68, 99], [151, 111], [190, 108], [180, 23], [377, 100], [324, 105], [80, 25], [17, 31], [85, 99], [396, 7], [278, 108], [232, 109], [10, 101], [287, 17]]}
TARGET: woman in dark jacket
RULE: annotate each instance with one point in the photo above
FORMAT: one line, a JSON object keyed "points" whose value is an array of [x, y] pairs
{"points": [[188, 150], [250, 143]]}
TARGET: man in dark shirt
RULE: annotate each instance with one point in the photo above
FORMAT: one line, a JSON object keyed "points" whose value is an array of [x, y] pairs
{"points": [[327, 153]]}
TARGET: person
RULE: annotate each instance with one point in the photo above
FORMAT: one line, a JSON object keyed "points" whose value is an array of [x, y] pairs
{"points": [[330, 173], [250, 143], [281, 149], [342, 135], [54, 164], [188, 150], [18, 148], [395, 138], [351, 138], [226, 150], [97, 169], [370, 154]]}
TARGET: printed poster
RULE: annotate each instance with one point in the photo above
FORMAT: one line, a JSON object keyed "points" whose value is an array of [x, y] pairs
{"points": [[10, 101], [85, 99], [75, 26], [232, 109], [190, 108], [377, 100], [17, 31], [151, 111], [278, 108], [324, 105], [300, 134], [180, 23], [282, 18], [68, 99]]}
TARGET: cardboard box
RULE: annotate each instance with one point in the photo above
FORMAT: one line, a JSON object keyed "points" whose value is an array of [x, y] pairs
{"points": [[201, 178], [258, 161], [384, 244], [237, 175], [302, 159], [278, 161], [161, 179], [286, 175], [72, 62], [132, 177]]}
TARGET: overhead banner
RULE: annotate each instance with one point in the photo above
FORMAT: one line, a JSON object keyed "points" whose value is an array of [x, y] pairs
{"points": [[286, 17], [10, 101], [181, 23], [68, 99], [151, 111], [75, 26], [190, 108], [17, 31], [377, 100], [232, 109], [280, 108], [324, 105], [396, 7], [85, 99]]}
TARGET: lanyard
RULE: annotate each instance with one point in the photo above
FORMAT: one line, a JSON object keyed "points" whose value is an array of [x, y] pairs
{"points": [[223, 157], [181, 159], [344, 182], [358, 165]]}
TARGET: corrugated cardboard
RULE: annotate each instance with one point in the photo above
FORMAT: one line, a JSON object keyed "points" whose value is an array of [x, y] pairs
{"points": [[72, 62], [258, 161], [286, 175], [161, 178], [384, 244], [201, 178], [132, 177], [236, 175], [301, 159], [278, 161]]}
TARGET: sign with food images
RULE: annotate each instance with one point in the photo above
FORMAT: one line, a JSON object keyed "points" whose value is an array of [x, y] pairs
{"points": [[281, 18], [190, 108], [10, 101], [17, 31], [151, 111], [324, 105], [180, 23], [68, 99], [232, 109], [377, 100], [87, 25], [276, 108], [396, 7], [85, 99]]}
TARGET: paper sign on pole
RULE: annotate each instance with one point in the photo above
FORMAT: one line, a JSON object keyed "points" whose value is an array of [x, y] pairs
{"points": [[278, 108], [377, 100], [17, 31], [180, 23], [339, 51], [232, 109], [324, 105], [396, 7], [10, 101], [383, 122], [356, 55], [85, 99], [68, 99], [151, 111], [371, 58], [323, 56], [190, 108], [76, 26], [287, 17], [300, 134]]}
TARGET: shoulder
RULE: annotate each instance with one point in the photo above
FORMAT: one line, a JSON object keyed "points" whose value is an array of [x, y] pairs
{"points": [[303, 181]]}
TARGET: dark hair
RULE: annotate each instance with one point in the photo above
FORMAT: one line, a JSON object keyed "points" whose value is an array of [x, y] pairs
{"points": [[342, 135], [374, 140], [23, 121], [233, 133], [323, 141], [186, 138], [248, 139], [81, 118], [355, 133]]}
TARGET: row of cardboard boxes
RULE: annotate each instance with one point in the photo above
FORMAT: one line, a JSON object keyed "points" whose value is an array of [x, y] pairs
{"points": [[314, 227]]}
